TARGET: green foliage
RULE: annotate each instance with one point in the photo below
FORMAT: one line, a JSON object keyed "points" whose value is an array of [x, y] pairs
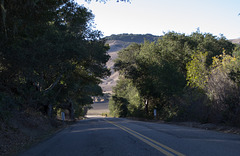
{"points": [[219, 83], [126, 95], [126, 100], [235, 71], [166, 71], [119, 106], [50, 57], [126, 61], [197, 72]]}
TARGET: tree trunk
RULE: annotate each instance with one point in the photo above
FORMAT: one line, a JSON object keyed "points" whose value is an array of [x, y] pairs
{"points": [[71, 109], [54, 84], [146, 107], [49, 110], [4, 12]]}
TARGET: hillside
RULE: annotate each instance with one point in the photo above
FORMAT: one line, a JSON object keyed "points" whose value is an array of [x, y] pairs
{"points": [[116, 43], [138, 38], [236, 41]]}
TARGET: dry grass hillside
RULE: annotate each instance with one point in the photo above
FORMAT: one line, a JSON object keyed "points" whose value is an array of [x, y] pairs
{"points": [[236, 41], [115, 46]]}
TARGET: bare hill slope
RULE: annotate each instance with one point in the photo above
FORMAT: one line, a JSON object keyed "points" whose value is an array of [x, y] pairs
{"points": [[115, 46]]}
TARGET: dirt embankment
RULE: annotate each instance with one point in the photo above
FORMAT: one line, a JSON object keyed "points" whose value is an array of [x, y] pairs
{"points": [[25, 129]]}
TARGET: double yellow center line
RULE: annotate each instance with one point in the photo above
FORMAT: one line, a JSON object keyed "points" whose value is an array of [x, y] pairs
{"points": [[160, 147]]}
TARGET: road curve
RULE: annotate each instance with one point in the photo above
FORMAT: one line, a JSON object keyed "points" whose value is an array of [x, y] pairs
{"points": [[122, 137]]}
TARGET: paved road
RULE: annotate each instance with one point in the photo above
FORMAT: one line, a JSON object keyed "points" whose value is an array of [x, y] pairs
{"points": [[122, 137]]}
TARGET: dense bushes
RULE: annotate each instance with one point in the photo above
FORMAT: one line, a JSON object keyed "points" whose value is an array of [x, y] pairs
{"points": [[218, 85]]}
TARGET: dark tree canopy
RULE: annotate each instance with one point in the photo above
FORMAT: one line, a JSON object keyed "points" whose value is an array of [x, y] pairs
{"points": [[50, 57]]}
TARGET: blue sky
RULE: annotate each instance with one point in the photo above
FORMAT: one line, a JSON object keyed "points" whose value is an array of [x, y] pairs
{"points": [[159, 16]]}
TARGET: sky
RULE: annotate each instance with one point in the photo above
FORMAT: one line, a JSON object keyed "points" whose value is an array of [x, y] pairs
{"points": [[161, 16]]}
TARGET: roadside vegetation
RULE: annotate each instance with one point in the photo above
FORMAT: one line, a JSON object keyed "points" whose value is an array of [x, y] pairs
{"points": [[51, 61], [184, 77]]}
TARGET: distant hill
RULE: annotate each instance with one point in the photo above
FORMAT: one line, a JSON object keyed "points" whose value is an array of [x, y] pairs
{"points": [[116, 45], [118, 42], [236, 41], [138, 38]]}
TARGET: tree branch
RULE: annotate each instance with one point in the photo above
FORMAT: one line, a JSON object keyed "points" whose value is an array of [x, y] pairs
{"points": [[4, 11], [54, 84]]}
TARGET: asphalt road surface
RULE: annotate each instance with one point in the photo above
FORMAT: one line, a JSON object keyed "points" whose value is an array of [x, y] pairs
{"points": [[122, 137]]}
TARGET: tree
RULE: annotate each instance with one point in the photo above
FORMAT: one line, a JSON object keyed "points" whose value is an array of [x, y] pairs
{"points": [[160, 70], [197, 72], [126, 100], [50, 54], [125, 90], [126, 62]]}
